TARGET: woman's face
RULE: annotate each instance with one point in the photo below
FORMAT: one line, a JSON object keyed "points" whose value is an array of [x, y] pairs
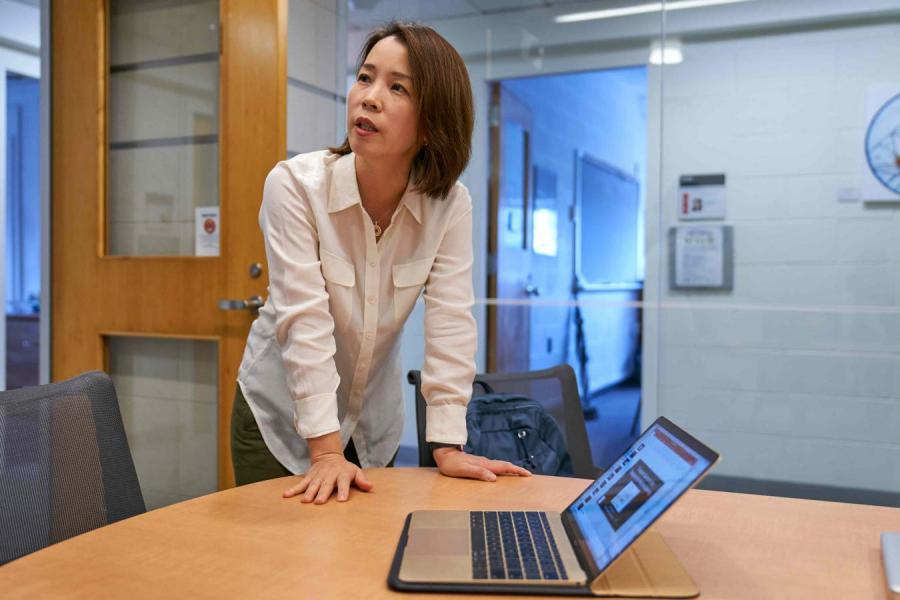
{"points": [[381, 107]]}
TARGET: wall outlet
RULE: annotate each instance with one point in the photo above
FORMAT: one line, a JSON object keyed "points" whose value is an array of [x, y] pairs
{"points": [[849, 194]]}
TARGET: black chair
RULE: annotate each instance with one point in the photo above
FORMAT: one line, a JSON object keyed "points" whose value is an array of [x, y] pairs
{"points": [[555, 388], [65, 466]]}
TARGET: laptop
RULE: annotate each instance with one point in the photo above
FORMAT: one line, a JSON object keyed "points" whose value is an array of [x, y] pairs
{"points": [[574, 552]]}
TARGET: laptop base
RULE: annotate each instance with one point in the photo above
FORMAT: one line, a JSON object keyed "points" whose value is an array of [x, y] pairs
{"points": [[647, 569]]}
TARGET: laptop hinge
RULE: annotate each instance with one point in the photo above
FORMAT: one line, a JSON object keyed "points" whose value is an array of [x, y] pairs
{"points": [[579, 546]]}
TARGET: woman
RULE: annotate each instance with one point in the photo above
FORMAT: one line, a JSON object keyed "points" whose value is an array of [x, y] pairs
{"points": [[353, 234]]}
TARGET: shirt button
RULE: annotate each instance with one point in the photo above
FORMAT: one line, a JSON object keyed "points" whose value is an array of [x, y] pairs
{"points": [[371, 299], [369, 336], [371, 263]]}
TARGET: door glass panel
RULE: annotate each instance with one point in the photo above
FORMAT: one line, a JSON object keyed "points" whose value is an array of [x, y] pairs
{"points": [[168, 390], [163, 127]]}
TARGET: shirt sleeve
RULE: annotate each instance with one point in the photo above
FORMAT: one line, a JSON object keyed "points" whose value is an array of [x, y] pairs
{"points": [[304, 327], [450, 333]]}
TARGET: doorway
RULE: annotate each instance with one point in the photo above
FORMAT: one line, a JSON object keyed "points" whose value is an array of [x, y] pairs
{"points": [[23, 230], [568, 170]]}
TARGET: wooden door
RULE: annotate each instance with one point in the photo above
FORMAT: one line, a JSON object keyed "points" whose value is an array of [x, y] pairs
{"points": [[99, 294], [509, 278]]}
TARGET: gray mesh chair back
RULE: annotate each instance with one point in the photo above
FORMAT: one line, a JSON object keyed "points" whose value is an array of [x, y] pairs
{"points": [[65, 466], [555, 388]]}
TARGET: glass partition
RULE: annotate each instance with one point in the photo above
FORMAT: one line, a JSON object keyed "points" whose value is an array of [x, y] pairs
{"points": [[757, 137], [557, 104], [791, 370]]}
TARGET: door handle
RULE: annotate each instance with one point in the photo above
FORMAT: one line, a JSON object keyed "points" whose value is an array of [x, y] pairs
{"points": [[532, 290], [251, 303]]}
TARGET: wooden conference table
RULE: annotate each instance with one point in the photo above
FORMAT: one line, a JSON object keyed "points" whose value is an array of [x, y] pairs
{"points": [[248, 542]]}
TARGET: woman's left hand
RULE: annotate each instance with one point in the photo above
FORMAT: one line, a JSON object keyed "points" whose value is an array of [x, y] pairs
{"points": [[456, 463]]}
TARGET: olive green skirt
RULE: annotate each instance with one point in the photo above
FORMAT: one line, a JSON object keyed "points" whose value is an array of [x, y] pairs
{"points": [[250, 457]]}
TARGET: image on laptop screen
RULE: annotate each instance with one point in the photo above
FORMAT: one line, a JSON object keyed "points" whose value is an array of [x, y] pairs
{"points": [[626, 499]]}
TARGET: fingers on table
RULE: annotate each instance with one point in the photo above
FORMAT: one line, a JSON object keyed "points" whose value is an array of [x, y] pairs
{"points": [[343, 487], [362, 481], [318, 486], [325, 490], [502, 467], [297, 489], [474, 470], [312, 489]]}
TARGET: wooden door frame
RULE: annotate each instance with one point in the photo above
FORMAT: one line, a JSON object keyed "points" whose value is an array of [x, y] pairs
{"points": [[493, 211], [243, 107], [494, 191]]}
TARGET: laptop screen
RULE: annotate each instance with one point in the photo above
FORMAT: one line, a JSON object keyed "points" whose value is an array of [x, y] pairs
{"points": [[619, 506]]}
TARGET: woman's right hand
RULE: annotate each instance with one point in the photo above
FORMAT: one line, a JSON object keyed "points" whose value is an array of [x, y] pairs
{"points": [[329, 470]]}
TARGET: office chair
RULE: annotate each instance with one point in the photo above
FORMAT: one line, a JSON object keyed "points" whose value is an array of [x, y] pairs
{"points": [[555, 388], [65, 466]]}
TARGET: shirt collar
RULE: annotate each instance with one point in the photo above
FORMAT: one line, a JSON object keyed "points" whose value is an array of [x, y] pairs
{"points": [[344, 191], [412, 200]]}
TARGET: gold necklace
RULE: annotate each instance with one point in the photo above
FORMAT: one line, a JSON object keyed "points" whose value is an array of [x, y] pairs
{"points": [[376, 222]]}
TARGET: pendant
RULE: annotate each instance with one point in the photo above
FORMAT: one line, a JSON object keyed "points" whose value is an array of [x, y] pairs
{"points": [[377, 231]]}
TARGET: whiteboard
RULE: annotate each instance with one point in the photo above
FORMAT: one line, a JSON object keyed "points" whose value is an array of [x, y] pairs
{"points": [[607, 205]]}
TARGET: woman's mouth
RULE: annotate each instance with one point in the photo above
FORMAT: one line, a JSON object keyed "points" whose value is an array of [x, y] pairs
{"points": [[365, 127]]}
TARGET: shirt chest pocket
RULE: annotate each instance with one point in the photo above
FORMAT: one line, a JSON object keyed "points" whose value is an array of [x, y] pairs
{"points": [[340, 278], [409, 278]]}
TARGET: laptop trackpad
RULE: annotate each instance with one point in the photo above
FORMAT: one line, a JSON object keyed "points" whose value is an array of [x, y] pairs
{"points": [[438, 542]]}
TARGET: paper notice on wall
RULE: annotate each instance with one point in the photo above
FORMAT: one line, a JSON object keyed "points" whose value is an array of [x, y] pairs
{"points": [[206, 231], [699, 257]]}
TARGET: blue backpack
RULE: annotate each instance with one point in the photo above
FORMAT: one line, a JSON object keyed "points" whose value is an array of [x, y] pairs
{"points": [[517, 429]]}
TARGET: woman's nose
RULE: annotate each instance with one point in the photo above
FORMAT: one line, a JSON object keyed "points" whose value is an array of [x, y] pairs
{"points": [[371, 100], [370, 103]]}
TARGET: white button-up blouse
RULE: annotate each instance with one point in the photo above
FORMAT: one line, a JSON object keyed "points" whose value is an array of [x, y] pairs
{"points": [[324, 353]]}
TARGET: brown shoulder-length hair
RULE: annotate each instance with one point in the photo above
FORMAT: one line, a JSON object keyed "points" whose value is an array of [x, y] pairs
{"points": [[443, 101]]}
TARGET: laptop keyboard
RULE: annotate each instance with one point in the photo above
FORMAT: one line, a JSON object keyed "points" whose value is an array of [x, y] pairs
{"points": [[514, 545]]}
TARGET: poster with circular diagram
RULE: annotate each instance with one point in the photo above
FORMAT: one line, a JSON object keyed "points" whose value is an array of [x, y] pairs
{"points": [[881, 179]]}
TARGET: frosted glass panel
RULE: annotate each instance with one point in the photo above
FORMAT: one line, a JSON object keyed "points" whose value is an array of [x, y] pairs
{"points": [[164, 102], [162, 186], [163, 124], [168, 393], [143, 30]]}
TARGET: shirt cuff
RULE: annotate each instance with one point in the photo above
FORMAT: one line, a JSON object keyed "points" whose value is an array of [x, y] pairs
{"points": [[446, 424], [316, 415]]}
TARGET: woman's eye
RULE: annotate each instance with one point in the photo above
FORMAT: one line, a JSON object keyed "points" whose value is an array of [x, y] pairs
{"points": [[397, 87], [362, 77]]}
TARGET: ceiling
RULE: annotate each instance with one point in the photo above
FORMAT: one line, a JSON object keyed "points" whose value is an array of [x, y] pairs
{"points": [[366, 13]]}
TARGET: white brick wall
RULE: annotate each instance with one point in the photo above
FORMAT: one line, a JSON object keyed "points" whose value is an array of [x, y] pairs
{"points": [[795, 375]]}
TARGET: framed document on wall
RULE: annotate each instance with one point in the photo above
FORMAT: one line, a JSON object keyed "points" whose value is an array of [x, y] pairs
{"points": [[701, 257]]}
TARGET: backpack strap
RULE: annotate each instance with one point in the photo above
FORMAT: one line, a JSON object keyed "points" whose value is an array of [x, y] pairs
{"points": [[485, 385]]}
